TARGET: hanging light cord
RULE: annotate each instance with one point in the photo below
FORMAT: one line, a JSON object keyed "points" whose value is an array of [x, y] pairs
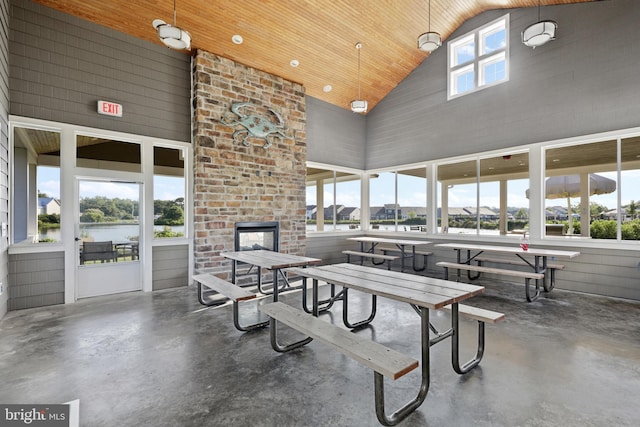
{"points": [[538, 10], [358, 46], [174, 13], [429, 15]]}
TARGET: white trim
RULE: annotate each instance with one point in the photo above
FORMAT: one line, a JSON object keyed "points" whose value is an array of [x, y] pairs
{"points": [[68, 190]]}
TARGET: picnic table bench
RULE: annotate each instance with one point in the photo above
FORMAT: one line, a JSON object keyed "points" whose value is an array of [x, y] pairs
{"points": [[526, 275], [535, 258], [425, 254], [552, 267], [373, 256], [390, 244], [233, 292]]}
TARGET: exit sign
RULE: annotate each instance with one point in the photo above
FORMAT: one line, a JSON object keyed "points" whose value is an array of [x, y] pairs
{"points": [[109, 108]]}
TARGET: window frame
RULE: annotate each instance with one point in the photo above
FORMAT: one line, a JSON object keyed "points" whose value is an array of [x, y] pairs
{"points": [[480, 60]]}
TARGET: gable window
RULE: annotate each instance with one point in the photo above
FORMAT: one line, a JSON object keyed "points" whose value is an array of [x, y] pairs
{"points": [[479, 59]]}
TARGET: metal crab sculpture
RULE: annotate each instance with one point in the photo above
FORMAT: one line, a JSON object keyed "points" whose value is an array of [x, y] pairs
{"points": [[255, 126]]}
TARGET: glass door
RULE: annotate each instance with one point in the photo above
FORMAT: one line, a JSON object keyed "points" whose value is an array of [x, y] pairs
{"points": [[108, 230]]}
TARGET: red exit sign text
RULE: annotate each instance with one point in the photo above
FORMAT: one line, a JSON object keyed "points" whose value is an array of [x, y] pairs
{"points": [[109, 108]]}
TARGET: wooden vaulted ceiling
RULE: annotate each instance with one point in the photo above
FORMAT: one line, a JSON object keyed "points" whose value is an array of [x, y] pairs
{"points": [[319, 34]]}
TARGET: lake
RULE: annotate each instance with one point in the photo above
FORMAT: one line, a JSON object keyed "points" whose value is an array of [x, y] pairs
{"points": [[102, 232]]}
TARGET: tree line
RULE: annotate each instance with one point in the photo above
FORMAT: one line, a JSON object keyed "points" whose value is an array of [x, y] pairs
{"points": [[103, 209]]}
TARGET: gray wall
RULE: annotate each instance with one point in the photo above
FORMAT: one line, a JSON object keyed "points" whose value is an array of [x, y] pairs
{"points": [[334, 135], [36, 280], [170, 266], [578, 84], [60, 66], [4, 152]]}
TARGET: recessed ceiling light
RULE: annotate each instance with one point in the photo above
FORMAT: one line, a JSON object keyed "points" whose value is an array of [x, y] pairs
{"points": [[294, 63], [327, 88], [237, 39]]}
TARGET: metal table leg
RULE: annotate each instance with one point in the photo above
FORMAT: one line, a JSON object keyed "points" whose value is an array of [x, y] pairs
{"points": [[273, 323], [455, 344], [412, 405]]}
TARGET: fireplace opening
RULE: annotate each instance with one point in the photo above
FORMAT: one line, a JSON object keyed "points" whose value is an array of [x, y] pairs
{"points": [[251, 236]]}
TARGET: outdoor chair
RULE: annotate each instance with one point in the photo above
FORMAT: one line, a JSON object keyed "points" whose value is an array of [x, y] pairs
{"points": [[97, 251]]}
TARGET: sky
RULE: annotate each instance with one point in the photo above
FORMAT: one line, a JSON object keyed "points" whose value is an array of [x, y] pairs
{"points": [[166, 188]]}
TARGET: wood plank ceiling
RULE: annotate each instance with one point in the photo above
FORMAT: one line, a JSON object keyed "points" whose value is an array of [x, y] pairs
{"points": [[319, 34]]}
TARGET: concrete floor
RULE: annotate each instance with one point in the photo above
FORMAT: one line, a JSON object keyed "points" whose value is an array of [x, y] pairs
{"points": [[161, 359]]}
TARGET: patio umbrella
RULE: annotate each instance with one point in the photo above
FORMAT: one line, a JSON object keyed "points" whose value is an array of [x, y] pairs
{"points": [[568, 186]]}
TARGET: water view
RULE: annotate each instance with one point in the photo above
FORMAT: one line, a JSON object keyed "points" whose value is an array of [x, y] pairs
{"points": [[101, 232]]}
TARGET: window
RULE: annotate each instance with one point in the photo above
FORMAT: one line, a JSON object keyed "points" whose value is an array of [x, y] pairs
{"points": [[398, 200], [504, 207], [582, 186], [629, 178], [382, 201], [412, 199], [337, 193], [458, 189], [485, 196], [36, 203], [479, 59], [168, 192], [48, 203]]}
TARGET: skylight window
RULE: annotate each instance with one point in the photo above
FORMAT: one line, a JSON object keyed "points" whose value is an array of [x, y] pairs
{"points": [[479, 59]]}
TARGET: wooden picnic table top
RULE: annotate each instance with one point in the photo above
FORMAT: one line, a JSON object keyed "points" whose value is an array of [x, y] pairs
{"points": [[510, 250], [418, 290], [270, 259], [373, 239]]}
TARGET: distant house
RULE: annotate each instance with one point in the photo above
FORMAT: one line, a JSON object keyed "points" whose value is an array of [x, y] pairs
{"points": [[458, 213], [486, 214], [413, 211], [613, 214], [311, 211], [343, 213], [349, 214], [48, 206], [387, 211], [556, 213]]}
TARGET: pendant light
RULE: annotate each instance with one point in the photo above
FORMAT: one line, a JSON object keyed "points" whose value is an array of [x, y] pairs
{"points": [[429, 41], [359, 105], [539, 33], [172, 36]]}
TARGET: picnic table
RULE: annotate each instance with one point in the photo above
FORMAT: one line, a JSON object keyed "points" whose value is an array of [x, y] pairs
{"points": [[401, 245], [422, 293], [270, 260], [274, 261], [539, 264]]}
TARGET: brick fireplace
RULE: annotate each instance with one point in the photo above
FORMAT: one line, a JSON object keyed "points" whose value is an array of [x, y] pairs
{"points": [[237, 183]]}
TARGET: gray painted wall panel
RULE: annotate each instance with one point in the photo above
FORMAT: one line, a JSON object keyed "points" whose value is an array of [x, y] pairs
{"points": [[35, 280], [170, 266], [578, 84], [61, 66], [4, 153], [334, 135]]}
